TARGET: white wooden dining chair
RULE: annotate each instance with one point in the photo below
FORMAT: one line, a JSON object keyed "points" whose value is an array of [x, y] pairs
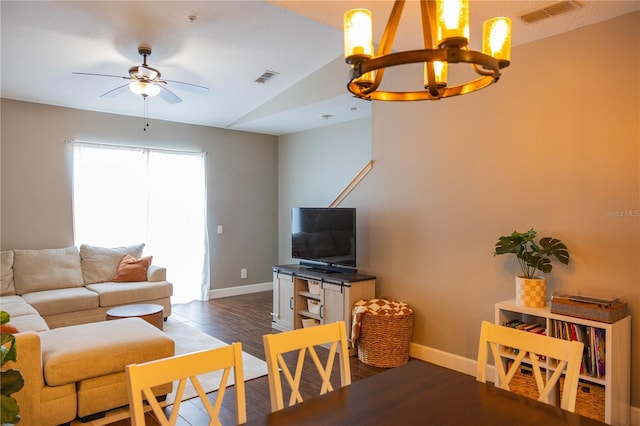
{"points": [[305, 340], [563, 356], [183, 368]]}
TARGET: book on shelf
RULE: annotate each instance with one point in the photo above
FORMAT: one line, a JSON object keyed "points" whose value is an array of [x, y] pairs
{"points": [[593, 339], [527, 327]]}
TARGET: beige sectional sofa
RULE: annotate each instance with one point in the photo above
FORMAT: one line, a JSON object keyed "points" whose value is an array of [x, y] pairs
{"points": [[71, 358], [69, 286]]}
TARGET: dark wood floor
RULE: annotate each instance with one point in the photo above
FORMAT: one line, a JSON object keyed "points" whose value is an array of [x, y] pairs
{"points": [[243, 319]]}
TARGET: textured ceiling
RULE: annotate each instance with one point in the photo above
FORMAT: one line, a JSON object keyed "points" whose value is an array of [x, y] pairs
{"points": [[228, 46]]}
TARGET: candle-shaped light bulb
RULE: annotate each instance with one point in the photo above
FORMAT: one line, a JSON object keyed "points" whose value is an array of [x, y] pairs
{"points": [[358, 35], [496, 39], [452, 23]]}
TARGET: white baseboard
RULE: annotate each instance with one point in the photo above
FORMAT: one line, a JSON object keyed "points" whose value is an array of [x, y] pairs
{"points": [[239, 290], [448, 360], [468, 366]]}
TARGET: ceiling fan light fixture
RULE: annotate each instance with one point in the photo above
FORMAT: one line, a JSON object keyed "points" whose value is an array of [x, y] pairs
{"points": [[148, 72], [144, 89]]}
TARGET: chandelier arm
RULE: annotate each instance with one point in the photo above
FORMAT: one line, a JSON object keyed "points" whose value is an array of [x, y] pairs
{"points": [[390, 30], [480, 70], [431, 79], [388, 36], [427, 30], [427, 36]]}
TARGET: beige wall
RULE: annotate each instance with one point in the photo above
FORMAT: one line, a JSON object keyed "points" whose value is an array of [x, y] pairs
{"points": [[37, 182], [314, 167], [554, 145]]}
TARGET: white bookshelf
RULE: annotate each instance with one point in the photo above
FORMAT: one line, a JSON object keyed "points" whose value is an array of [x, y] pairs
{"points": [[616, 380]]}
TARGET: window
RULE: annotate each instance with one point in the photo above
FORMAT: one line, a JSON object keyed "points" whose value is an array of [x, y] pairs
{"points": [[124, 196]]}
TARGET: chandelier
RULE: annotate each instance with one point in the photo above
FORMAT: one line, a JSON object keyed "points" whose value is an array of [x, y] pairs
{"points": [[445, 31]]}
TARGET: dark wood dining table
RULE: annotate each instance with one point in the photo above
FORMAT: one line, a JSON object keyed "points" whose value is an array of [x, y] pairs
{"points": [[420, 393]]}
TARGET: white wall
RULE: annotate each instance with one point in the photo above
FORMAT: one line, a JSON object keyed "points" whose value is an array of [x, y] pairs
{"points": [[555, 145], [37, 182]]}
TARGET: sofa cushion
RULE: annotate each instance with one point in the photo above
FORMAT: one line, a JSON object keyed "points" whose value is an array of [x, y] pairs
{"points": [[6, 273], [16, 308], [46, 269], [52, 302], [132, 269], [79, 352], [113, 294], [12, 299], [31, 322], [99, 264]]}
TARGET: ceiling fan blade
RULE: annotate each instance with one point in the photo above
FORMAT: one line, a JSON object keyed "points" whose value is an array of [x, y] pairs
{"points": [[168, 96], [188, 86], [101, 75], [115, 92]]}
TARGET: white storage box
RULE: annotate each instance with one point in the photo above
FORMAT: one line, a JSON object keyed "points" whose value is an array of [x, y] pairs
{"points": [[314, 287], [309, 322], [314, 306]]}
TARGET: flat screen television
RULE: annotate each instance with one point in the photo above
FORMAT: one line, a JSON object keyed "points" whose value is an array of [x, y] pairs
{"points": [[326, 237]]}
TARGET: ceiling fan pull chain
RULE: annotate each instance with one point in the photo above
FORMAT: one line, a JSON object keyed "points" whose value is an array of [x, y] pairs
{"points": [[146, 114]]}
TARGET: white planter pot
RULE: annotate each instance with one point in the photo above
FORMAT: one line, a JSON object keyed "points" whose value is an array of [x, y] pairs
{"points": [[531, 292]]}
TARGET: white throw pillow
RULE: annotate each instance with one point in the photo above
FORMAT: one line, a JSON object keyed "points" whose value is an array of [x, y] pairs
{"points": [[99, 264], [6, 279], [46, 269]]}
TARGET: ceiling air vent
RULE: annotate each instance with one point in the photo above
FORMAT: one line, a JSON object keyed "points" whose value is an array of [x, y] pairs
{"points": [[266, 76], [550, 10]]}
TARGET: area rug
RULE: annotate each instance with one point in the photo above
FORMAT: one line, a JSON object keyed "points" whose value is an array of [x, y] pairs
{"points": [[189, 339]]}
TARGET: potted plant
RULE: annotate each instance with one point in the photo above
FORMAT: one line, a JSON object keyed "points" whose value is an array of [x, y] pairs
{"points": [[531, 289], [12, 380]]}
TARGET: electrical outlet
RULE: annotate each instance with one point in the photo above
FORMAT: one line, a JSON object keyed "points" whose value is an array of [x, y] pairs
{"points": [[243, 273]]}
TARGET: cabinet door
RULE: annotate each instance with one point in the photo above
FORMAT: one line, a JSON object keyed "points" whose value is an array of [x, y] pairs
{"points": [[333, 303], [282, 302]]}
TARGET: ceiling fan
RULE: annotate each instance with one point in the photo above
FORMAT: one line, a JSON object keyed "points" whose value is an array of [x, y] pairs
{"points": [[145, 81]]}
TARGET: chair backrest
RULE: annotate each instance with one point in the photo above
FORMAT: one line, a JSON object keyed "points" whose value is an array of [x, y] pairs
{"points": [[561, 356], [304, 340], [143, 377]]}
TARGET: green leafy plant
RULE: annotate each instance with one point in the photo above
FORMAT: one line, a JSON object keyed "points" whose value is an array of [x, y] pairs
{"points": [[532, 256], [12, 380]]}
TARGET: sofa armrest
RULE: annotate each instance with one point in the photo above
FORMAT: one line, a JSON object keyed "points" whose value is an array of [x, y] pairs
{"points": [[29, 363], [156, 273]]}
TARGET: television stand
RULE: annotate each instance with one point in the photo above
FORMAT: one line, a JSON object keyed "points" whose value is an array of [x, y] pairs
{"points": [[317, 296], [327, 268], [321, 270]]}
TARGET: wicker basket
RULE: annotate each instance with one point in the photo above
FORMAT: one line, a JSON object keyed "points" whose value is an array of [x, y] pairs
{"points": [[589, 400], [384, 339]]}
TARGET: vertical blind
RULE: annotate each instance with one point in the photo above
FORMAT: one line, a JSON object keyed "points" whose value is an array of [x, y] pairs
{"points": [[124, 196]]}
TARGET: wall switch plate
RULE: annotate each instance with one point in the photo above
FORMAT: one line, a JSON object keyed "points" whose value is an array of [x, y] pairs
{"points": [[219, 229]]}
